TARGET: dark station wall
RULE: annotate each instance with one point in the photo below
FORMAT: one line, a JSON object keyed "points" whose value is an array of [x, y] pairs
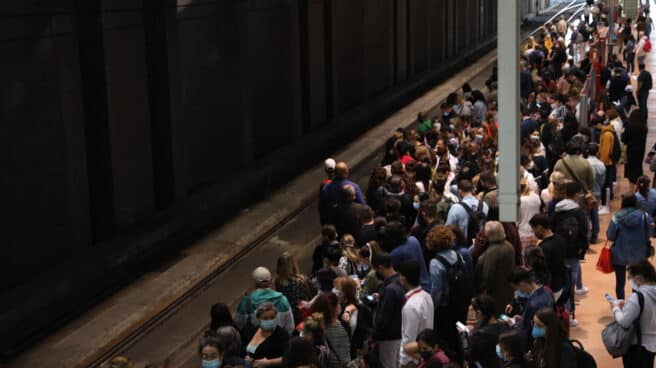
{"points": [[130, 127]]}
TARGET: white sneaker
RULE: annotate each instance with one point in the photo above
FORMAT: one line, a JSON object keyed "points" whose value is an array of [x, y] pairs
{"points": [[573, 322], [581, 291], [603, 210]]}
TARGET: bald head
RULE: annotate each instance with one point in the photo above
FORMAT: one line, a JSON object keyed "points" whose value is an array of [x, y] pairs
{"points": [[341, 170]]}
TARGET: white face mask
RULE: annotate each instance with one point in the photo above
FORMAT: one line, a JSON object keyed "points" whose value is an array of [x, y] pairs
{"points": [[633, 284], [336, 292]]}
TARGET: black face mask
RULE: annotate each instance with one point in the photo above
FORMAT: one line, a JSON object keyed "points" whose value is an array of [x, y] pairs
{"points": [[426, 355]]}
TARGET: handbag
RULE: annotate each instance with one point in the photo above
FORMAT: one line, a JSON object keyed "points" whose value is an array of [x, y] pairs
{"points": [[617, 339], [605, 262], [589, 200]]}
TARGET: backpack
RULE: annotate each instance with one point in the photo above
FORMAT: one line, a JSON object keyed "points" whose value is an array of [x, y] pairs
{"points": [[568, 228], [583, 358], [476, 220], [460, 285], [647, 46], [618, 339]]}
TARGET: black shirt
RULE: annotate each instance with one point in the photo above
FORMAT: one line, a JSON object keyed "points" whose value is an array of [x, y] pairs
{"points": [[645, 79], [273, 346], [483, 343], [554, 248], [388, 311], [366, 234]]}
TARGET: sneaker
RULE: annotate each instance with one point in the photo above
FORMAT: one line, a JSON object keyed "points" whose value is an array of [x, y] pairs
{"points": [[581, 291], [603, 210], [573, 322]]}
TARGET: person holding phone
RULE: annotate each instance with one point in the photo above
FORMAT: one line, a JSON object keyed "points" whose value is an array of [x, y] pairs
{"points": [[642, 278], [480, 344]]}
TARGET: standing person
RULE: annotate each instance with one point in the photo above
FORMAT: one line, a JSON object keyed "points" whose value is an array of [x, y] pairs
{"points": [[388, 311], [535, 297], [609, 153], [646, 195], [292, 284], [569, 221], [331, 193], [468, 211], [551, 348], [629, 232], [644, 86], [481, 345], [529, 206], [417, 312], [405, 248], [495, 265], [269, 343], [599, 169], [246, 318], [512, 350], [356, 316], [554, 248], [642, 278], [574, 167], [635, 138], [336, 337], [346, 215]]}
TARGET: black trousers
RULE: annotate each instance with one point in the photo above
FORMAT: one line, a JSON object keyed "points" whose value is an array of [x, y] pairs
{"points": [[638, 357]]}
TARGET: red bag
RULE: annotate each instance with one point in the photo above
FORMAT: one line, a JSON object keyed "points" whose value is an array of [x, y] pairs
{"points": [[605, 262], [647, 46]]}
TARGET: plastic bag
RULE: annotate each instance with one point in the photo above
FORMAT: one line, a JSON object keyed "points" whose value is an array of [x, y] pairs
{"points": [[605, 262]]}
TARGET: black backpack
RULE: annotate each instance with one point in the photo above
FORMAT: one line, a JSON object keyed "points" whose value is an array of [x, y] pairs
{"points": [[567, 226], [476, 220], [583, 358], [460, 285]]}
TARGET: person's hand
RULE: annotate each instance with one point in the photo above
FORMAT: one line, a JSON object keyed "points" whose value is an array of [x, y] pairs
{"points": [[518, 319], [346, 317], [619, 303], [261, 363], [376, 296], [248, 359], [508, 309]]}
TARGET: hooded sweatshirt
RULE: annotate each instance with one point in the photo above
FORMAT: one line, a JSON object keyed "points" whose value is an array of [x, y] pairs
{"points": [[606, 142], [248, 305], [631, 310], [627, 231], [577, 237]]}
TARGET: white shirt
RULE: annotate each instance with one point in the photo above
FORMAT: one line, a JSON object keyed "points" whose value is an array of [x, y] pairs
{"points": [[618, 125], [416, 316], [529, 207]]}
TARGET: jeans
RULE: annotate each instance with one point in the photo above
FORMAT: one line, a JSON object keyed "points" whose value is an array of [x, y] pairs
{"points": [[594, 222], [620, 280], [611, 176], [575, 268], [638, 357]]}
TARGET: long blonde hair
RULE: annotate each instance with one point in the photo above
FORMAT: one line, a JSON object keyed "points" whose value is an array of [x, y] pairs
{"points": [[348, 248], [287, 270]]}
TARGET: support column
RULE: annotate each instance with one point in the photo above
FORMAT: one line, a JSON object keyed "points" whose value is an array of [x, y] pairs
{"points": [[508, 64]]}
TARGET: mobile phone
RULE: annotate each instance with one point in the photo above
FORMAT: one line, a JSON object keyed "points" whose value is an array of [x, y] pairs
{"points": [[461, 326], [610, 298], [370, 298], [507, 319]]}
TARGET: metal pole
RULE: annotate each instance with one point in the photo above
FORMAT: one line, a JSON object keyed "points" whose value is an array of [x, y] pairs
{"points": [[508, 64]]}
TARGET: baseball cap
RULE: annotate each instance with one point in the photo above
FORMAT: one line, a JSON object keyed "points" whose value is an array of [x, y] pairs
{"points": [[261, 274], [329, 164]]}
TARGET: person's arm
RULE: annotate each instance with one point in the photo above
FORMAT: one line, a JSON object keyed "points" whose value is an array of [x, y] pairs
{"points": [[436, 282], [241, 316], [409, 332], [287, 320], [453, 216], [627, 313], [359, 198], [611, 232]]}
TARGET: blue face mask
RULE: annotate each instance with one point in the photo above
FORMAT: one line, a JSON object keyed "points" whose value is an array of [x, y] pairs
{"points": [[216, 363], [538, 332], [416, 205], [521, 294], [268, 324], [499, 353]]}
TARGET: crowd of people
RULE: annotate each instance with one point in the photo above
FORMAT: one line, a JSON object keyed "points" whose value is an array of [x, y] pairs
{"points": [[416, 270]]}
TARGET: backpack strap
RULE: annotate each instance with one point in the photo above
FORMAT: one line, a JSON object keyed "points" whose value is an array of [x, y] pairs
{"points": [[334, 352], [636, 323], [576, 178]]}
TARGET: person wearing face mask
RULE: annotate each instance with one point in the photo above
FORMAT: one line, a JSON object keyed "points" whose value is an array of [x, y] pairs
{"points": [[553, 246], [387, 330], [481, 342], [443, 155], [356, 317], [495, 265], [223, 350], [511, 350], [429, 348], [642, 278], [629, 230], [269, 343], [336, 336], [551, 348], [532, 298], [417, 312]]}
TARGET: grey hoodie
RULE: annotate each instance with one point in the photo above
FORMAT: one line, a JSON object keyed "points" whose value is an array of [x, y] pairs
{"points": [[630, 311]]}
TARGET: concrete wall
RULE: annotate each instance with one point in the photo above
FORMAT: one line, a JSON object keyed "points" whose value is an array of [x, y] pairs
{"points": [[121, 118]]}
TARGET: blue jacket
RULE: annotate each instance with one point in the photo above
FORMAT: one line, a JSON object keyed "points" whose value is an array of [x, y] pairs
{"points": [[388, 310], [648, 203], [438, 277], [330, 196], [539, 299], [411, 251], [627, 232]]}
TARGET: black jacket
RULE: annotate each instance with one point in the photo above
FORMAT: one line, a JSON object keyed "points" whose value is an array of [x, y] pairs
{"points": [[388, 311]]}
